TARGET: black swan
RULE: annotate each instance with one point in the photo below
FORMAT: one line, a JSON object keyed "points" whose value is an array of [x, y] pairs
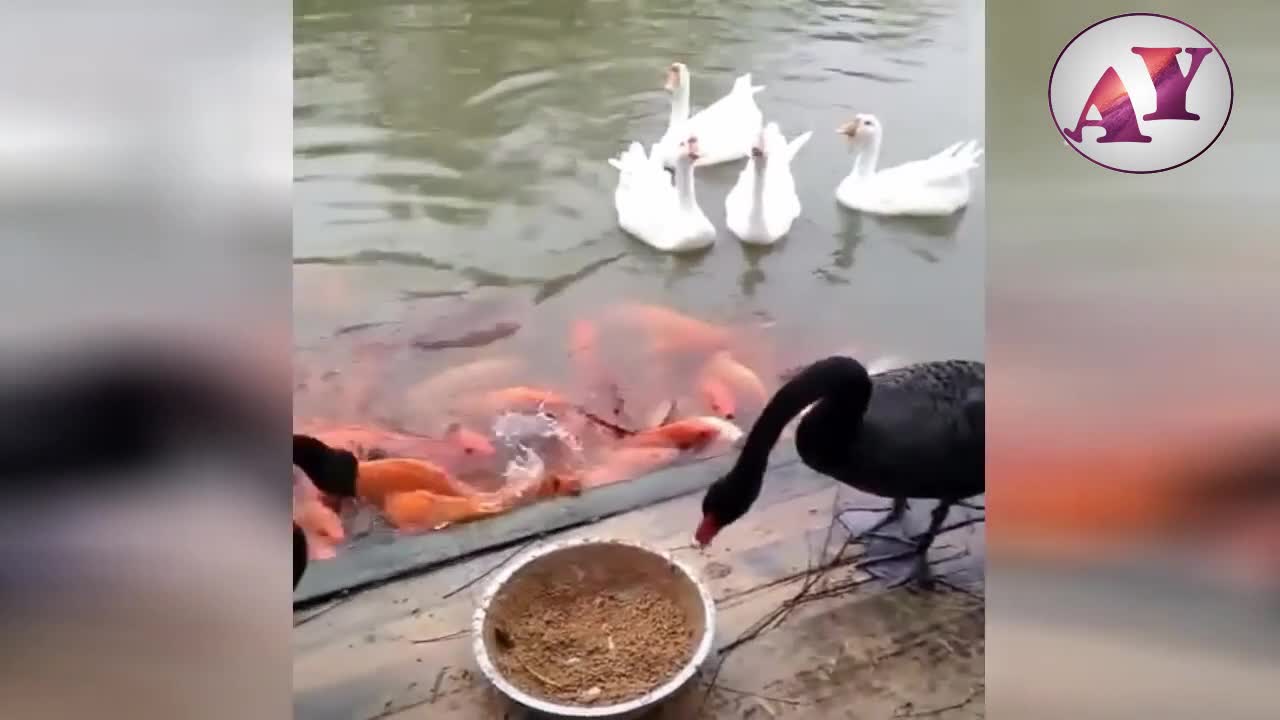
{"points": [[333, 471], [913, 432]]}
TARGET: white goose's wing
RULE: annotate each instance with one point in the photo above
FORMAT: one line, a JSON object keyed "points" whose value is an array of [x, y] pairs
{"points": [[950, 164], [737, 106]]}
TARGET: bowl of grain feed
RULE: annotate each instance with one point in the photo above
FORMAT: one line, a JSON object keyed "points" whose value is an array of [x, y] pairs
{"points": [[593, 627]]}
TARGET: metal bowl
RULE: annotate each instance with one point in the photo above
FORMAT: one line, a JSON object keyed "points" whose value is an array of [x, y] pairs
{"points": [[574, 557]]}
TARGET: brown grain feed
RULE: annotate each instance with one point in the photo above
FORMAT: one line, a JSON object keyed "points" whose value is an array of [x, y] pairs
{"points": [[587, 645]]}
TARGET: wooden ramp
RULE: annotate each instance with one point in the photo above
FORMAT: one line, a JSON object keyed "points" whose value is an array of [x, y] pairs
{"points": [[401, 650]]}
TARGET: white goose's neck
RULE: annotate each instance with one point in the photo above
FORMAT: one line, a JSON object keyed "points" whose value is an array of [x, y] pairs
{"points": [[760, 167], [684, 185], [865, 159], [679, 105]]}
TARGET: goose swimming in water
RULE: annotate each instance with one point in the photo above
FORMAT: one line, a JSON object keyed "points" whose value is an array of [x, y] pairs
{"points": [[913, 432]]}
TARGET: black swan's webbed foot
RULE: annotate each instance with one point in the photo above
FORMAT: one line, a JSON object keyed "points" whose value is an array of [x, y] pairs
{"points": [[893, 513], [912, 566], [920, 574]]}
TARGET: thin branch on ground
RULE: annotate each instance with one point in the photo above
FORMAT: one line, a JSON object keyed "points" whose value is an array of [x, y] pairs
{"points": [[973, 693], [435, 687], [962, 524], [441, 638], [321, 611], [816, 571], [523, 546], [941, 579], [775, 617], [770, 698]]}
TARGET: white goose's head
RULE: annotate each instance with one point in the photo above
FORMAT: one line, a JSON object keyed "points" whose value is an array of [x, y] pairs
{"points": [[760, 148], [862, 130], [677, 77], [688, 154]]}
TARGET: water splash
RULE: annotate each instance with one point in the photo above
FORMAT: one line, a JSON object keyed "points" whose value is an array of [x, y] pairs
{"points": [[520, 430]]}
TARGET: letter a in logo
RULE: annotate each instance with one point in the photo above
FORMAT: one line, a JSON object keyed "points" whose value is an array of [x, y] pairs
{"points": [[1119, 122]]}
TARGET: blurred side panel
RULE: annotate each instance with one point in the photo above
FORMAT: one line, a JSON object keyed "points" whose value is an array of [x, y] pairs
{"points": [[144, 358], [1134, 433]]}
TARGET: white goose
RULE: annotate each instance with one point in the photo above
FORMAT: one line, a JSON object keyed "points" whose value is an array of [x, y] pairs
{"points": [[727, 128], [763, 203], [649, 208], [937, 185]]}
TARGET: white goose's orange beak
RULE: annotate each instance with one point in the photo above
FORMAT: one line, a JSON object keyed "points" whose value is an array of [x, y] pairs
{"points": [[848, 129], [673, 78]]}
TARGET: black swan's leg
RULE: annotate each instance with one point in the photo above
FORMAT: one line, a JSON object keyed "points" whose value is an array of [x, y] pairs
{"points": [[921, 574], [893, 514], [939, 516], [918, 559]]}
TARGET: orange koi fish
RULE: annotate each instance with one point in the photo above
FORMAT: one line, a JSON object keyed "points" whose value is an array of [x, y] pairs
{"points": [[694, 433], [584, 339], [423, 510], [718, 397], [725, 384], [660, 414], [671, 331], [449, 385], [517, 398], [469, 441], [593, 376], [557, 484], [377, 480], [522, 396], [459, 450]]}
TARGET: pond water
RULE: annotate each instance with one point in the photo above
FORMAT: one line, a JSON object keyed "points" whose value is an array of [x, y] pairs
{"points": [[451, 179]]}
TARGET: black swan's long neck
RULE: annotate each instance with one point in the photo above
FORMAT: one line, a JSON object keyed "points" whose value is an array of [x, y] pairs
{"points": [[836, 378]]}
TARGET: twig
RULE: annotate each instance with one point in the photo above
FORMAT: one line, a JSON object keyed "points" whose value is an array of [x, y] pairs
{"points": [[617, 430], [435, 687], [782, 580], [770, 698], [441, 638], [959, 588], [489, 572], [779, 614], [813, 574], [973, 693], [323, 610], [911, 539], [961, 524]]}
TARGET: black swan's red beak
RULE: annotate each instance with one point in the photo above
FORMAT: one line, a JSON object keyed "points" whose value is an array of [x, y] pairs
{"points": [[706, 531]]}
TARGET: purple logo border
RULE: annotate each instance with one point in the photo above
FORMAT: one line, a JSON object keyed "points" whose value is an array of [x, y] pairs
{"points": [[1230, 102]]}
